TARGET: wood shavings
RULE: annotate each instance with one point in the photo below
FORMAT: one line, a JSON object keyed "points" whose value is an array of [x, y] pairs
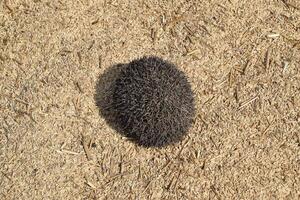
{"points": [[62, 150], [243, 105], [256, 41], [286, 65], [89, 183], [273, 35], [267, 59], [67, 152], [86, 146]]}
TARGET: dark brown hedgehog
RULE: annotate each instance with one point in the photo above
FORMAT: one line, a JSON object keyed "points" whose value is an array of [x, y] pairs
{"points": [[154, 102]]}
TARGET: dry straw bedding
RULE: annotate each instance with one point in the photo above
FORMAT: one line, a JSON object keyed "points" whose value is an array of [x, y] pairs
{"points": [[241, 57]]}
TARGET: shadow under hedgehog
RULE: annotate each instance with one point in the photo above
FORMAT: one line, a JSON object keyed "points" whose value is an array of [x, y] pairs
{"points": [[149, 101]]}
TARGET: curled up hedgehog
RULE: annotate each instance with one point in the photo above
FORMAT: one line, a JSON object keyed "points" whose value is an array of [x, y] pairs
{"points": [[153, 101]]}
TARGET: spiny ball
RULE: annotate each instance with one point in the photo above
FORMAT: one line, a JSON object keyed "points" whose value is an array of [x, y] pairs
{"points": [[153, 101]]}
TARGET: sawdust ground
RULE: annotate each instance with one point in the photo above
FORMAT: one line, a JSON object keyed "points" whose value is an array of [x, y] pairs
{"points": [[242, 59]]}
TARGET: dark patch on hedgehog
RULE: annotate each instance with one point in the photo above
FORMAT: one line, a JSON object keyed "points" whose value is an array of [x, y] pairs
{"points": [[148, 100]]}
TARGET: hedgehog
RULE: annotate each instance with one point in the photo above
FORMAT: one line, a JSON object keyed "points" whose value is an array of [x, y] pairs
{"points": [[153, 101]]}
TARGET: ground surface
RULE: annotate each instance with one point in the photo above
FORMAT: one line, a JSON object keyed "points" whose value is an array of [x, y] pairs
{"points": [[242, 58]]}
